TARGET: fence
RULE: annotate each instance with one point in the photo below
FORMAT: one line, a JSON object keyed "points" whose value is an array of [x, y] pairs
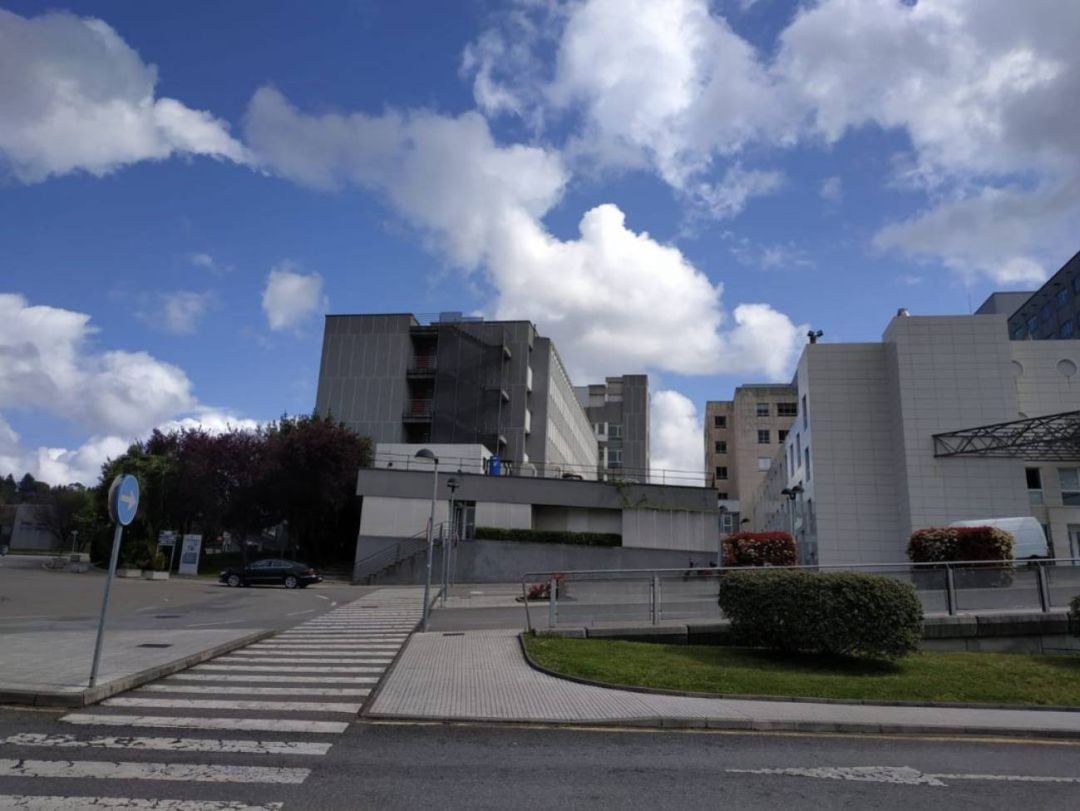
{"points": [[598, 597]]}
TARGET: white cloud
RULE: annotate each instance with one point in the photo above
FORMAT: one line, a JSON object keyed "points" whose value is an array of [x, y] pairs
{"points": [[832, 190], [611, 298], [290, 298], [729, 196], [675, 436], [75, 96], [178, 312], [207, 262]]}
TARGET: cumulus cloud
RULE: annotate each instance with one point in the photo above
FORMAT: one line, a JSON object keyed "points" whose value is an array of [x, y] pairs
{"points": [[675, 434], [75, 96], [832, 190], [612, 298], [178, 312], [289, 297]]}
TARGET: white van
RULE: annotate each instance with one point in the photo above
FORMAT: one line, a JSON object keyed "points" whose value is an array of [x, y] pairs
{"points": [[1029, 539]]}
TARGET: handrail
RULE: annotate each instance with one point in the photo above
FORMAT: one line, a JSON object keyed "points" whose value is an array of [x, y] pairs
{"points": [[553, 578], [380, 561]]}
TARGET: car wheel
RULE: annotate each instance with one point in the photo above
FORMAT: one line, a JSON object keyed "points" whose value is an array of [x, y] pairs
{"points": [[234, 580], [291, 582]]}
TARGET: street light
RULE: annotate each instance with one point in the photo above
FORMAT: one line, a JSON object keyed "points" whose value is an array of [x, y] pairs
{"points": [[720, 541], [424, 453], [452, 484], [792, 494]]}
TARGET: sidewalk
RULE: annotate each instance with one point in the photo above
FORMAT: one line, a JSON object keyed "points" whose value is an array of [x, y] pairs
{"points": [[51, 668], [483, 676]]}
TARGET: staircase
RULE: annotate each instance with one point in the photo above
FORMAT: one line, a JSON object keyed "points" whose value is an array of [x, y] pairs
{"points": [[367, 570]]}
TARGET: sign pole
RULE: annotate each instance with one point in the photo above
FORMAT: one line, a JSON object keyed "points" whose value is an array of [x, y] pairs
{"points": [[105, 602]]}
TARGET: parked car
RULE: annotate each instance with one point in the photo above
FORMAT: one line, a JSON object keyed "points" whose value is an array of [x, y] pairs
{"points": [[288, 573]]}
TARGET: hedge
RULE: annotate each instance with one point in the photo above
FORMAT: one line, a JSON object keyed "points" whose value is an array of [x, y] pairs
{"points": [[760, 549], [840, 613], [1074, 614], [549, 536], [945, 544]]}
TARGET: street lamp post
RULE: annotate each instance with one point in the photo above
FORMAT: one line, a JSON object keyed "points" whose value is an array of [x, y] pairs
{"points": [[424, 453], [720, 542], [452, 484], [792, 494]]}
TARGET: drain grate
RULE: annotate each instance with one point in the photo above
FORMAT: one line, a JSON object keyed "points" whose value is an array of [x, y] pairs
{"points": [[154, 645], [455, 633]]}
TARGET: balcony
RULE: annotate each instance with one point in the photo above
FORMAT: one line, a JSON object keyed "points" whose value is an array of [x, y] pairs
{"points": [[423, 366], [418, 410]]}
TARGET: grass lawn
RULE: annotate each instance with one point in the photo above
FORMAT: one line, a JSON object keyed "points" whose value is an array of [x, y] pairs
{"points": [[982, 678]]}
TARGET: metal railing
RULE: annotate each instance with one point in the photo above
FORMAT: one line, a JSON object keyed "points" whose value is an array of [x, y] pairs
{"points": [[371, 566], [619, 596]]}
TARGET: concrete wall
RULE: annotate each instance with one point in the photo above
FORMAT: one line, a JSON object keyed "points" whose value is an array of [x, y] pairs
{"points": [[671, 529], [507, 516], [570, 438], [452, 458], [28, 533], [746, 450], [399, 517], [507, 561], [563, 519]]}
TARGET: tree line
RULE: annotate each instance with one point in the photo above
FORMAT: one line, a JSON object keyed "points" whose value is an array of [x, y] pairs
{"points": [[298, 473]]}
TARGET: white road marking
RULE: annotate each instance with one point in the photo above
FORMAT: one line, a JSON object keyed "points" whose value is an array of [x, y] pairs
{"points": [[232, 724], [300, 646], [328, 669], [263, 659], [312, 748], [297, 613], [275, 679], [899, 774], [220, 622], [255, 691], [47, 803], [236, 704], [112, 770], [321, 597]]}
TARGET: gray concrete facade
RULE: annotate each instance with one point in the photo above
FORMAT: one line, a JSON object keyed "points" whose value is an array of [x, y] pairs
{"points": [[618, 409]]}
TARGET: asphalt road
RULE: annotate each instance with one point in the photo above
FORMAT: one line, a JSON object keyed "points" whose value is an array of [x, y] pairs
{"points": [[478, 767], [32, 599]]}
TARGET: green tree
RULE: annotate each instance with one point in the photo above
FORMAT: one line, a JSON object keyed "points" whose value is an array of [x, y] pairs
{"points": [[64, 511]]}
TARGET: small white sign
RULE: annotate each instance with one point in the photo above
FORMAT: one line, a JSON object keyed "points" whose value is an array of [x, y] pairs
{"points": [[189, 554]]}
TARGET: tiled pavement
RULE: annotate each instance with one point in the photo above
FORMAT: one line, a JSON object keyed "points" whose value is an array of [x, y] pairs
{"points": [[257, 716], [482, 675]]}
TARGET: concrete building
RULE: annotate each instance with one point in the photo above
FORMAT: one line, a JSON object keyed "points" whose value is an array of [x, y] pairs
{"points": [[1052, 311], [741, 438], [934, 424], [618, 409], [22, 529], [456, 380]]}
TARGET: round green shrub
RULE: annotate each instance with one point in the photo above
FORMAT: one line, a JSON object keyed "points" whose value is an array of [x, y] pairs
{"points": [[841, 613]]}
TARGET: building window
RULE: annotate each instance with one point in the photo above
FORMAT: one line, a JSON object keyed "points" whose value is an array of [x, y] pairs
{"points": [[1047, 312], [727, 522], [1019, 333], [763, 409], [1062, 297], [721, 474], [1069, 478], [614, 430], [719, 422], [763, 437], [787, 409], [764, 463], [1034, 485], [721, 495], [798, 448], [806, 454], [805, 424], [1066, 330], [783, 434], [1076, 284], [720, 447], [614, 457]]}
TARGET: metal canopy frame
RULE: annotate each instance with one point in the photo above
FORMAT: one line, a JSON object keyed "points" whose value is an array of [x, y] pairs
{"points": [[1053, 438]]}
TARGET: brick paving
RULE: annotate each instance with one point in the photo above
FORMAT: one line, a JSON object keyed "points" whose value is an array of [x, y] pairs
{"points": [[483, 676]]}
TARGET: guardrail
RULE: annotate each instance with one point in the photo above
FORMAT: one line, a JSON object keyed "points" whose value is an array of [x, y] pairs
{"points": [[598, 596]]}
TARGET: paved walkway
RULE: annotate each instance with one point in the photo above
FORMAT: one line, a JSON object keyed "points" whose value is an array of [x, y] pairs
{"points": [[483, 676]]}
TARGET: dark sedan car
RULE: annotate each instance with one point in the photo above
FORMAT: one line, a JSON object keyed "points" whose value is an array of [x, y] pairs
{"points": [[288, 573]]}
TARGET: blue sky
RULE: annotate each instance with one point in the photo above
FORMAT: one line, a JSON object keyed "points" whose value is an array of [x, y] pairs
{"points": [[674, 187]]}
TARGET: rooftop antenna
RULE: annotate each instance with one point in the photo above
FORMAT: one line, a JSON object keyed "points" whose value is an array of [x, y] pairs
{"points": [[814, 334]]}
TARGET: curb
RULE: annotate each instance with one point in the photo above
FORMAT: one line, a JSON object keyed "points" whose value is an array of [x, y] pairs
{"points": [[92, 695], [851, 702]]}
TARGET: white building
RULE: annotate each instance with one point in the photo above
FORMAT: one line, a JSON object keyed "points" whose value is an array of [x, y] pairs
{"points": [[863, 446]]}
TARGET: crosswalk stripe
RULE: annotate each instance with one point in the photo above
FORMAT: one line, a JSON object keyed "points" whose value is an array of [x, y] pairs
{"points": [[256, 691], [260, 659], [257, 679], [329, 646], [121, 770], [233, 724], [212, 704], [290, 669], [309, 748], [26, 802]]}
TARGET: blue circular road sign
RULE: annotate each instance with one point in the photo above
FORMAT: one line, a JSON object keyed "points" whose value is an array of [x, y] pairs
{"points": [[124, 499]]}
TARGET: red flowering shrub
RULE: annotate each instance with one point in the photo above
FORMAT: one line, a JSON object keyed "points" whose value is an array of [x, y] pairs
{"points": [[542, 591], [946, 544], [760, 549]]}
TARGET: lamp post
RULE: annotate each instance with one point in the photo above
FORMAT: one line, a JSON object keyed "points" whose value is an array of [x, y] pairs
{"points": [[792, 494], [720, 541], [424, 453], [452, 484]]}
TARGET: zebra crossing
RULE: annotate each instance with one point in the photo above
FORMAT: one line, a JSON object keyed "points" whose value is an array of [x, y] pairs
{"points": [[298, 689]]}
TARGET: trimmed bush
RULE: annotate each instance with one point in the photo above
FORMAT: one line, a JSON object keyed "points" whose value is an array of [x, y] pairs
{"points": [[549, 536], [842, 613], [947, 544], [1074, 615], [760, 549]]}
